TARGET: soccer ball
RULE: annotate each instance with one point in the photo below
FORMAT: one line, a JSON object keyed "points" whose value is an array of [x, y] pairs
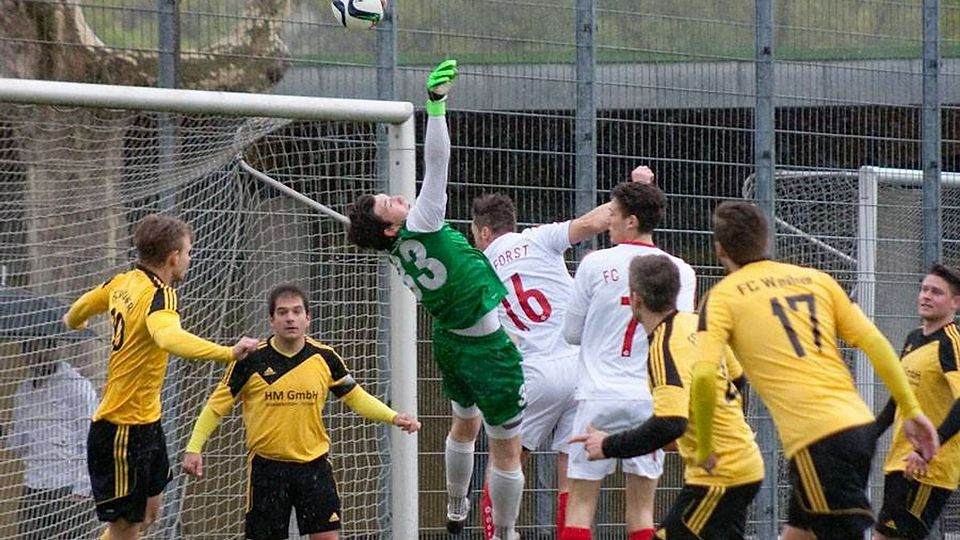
{"points": [[360, 14]]}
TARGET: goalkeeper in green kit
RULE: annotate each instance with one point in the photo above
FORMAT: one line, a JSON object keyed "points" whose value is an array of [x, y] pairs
{"points": [[461, 291]]}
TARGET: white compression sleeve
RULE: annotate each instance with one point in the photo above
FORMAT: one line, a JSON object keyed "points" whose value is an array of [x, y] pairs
{"points": [[430, 208]]}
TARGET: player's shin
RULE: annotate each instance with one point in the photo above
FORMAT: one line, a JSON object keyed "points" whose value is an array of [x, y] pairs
{"points": [[458, 458], [506, 490]]}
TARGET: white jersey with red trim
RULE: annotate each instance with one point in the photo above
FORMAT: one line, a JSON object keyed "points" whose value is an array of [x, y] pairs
{"points": [[539, 287], [613, 345]]}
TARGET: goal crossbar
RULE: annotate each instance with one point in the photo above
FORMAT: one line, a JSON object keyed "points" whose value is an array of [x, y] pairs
{"points": [[31, 91]]}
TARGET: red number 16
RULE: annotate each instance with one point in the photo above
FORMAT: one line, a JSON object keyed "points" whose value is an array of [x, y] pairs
{"points": [[525, 296]]}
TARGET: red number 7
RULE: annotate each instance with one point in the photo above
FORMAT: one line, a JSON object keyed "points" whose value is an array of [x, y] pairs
{"points": [[631, 329]]}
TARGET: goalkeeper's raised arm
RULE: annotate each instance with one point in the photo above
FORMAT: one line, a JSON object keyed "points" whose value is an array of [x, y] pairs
{"points": [[376, 220]]}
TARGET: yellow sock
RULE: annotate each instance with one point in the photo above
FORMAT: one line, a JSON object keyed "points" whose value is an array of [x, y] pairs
{"points": [[106, 534]]}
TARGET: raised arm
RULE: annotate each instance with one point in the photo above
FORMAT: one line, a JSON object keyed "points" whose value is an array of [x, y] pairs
{"points": [[429, 210], [597, 220]]}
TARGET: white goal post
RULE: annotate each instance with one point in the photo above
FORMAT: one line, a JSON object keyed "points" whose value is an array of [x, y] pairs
{"points": [[109, 166]]}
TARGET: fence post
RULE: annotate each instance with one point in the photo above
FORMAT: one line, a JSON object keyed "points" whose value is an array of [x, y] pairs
{"points": [[586, 116], [930, 134], [764, 148]]}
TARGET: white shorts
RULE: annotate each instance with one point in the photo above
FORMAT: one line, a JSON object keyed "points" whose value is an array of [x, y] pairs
{"points": [[550, 383], [612, 416]]}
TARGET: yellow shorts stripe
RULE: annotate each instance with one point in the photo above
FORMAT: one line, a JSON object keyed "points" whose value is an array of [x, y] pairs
{"points": [[705, 509], [811, 482], [120, 466], [920, 500], [249, 491]]}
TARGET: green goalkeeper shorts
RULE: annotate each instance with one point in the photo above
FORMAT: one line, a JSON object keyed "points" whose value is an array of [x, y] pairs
{"points": [[481, 370]]}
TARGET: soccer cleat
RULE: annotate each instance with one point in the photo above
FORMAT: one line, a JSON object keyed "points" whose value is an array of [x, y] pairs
{"points": [[512, 535], [457, 510]]}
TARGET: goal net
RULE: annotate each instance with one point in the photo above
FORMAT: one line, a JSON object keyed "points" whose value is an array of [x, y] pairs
{"points": [[75, 179]]}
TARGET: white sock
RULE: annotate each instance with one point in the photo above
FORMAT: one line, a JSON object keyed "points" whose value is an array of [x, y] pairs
{"points": [[506, 489], [458, 458]]}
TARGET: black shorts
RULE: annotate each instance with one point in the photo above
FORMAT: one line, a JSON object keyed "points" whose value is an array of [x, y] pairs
{"points": [[828, 481], [128, 464], [714, 512], [274, 487], [909, 507]]}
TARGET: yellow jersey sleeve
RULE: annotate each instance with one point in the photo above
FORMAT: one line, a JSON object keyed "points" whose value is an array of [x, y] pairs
{"points": [[205, 425], [368, 406], [164, 327], [851, 323], [91, 303]]}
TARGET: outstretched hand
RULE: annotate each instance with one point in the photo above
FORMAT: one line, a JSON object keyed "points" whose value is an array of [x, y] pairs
{"points": [[592, 442], [642, 175], [245, 346], [193, 464], [407, 422], [441, 79], [922, 435]]}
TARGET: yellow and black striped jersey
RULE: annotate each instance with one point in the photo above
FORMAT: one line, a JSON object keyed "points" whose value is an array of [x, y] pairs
{"points": [[783, 322], [283, 398], [930, 363], [140, 306], [672, 351]]}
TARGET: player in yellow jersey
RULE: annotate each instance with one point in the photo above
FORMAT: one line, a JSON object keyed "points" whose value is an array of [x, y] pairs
{"points": [[713, 505], [283, 387], [914, 490], [783, 322], [126, 449]]}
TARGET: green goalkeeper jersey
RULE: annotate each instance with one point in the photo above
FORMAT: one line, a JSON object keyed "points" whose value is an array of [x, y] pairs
{"points": [[450, 278]]}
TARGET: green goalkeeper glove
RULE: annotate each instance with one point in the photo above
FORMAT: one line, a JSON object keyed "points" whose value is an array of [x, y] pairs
{"points": [[438, 84]]}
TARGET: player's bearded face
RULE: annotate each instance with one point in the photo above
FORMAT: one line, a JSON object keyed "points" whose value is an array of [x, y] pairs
{"points": [[290, 319]]}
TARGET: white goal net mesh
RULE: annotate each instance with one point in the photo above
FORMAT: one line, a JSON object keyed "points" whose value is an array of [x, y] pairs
{"points": [[73, 181]]}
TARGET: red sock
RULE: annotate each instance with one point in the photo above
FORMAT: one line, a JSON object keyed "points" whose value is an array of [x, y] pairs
{"points": [[642, 534], [575, 533], [562, 512], [486, 513]]}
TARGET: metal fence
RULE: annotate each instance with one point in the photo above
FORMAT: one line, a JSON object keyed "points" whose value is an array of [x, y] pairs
{"points": [[559, 99]]}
